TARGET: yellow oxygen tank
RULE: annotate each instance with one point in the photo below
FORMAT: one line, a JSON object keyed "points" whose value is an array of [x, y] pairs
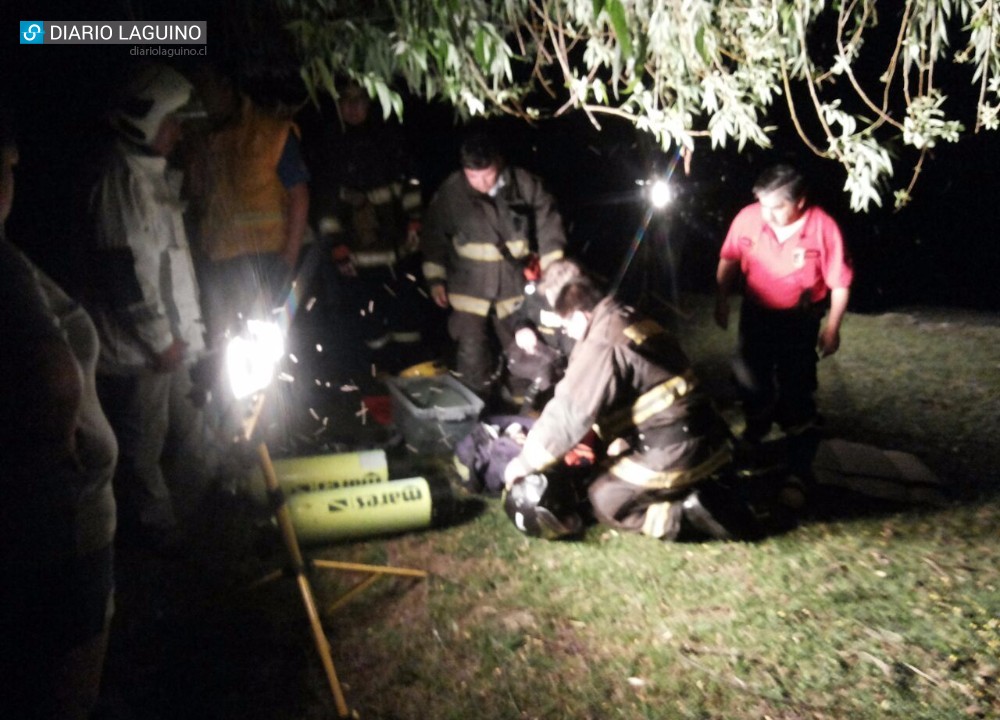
{"points": [[330, 472], [365, 510]]}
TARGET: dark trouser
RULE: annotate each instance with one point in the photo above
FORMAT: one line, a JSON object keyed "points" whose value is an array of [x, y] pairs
{"points": [[644, 491], [382, 314], [631, 508], [477, 349], [775, 368]]}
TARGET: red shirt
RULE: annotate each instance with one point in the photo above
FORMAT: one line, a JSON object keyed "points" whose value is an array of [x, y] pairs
{"points": [[812, 261]]}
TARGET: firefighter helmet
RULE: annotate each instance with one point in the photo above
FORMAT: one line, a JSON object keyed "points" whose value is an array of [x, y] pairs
{"points": [[542, 509], [148, 97]]}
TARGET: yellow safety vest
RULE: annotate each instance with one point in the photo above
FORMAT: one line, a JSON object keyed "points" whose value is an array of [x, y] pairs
{"points": [[246, 204]]}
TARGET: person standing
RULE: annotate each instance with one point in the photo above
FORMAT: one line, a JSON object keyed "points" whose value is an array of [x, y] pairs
{"points": [[368, 206], [145, 301], [57, 508], [251, 185], [483, 227], [792, 258]]}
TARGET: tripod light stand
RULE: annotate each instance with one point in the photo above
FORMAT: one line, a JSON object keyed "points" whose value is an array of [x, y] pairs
{"points": [[298, 566]]}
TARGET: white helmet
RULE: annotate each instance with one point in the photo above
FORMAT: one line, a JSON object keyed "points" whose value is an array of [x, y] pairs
{"points": [[148, 97]]}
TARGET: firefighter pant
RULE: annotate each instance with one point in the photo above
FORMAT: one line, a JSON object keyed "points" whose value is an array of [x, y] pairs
{"points": [[383, 314], [477, 348], [54, 621], [643, 490], [631, 508]]}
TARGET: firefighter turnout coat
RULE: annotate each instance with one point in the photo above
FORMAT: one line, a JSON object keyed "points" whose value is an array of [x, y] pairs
{"points": [[629, 376], [478, 244], [365, 193]]}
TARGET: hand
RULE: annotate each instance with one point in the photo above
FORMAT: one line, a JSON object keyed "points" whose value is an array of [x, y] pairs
{"points": [[439, 294], [515, 470], [527, 340], [829, 341], [342, 259], [171, 358], [722, 312], [580, 456], [412, 242]]}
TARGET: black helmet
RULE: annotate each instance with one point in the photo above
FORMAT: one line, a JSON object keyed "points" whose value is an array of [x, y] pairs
{"points": [[540, 509]]}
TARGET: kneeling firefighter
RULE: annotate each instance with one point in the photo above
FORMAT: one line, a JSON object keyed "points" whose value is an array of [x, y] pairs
{"points": [[630, 377]]}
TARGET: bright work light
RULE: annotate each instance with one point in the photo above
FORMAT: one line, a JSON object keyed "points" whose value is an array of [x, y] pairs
{"points": [[252, 357], [660, 194]]}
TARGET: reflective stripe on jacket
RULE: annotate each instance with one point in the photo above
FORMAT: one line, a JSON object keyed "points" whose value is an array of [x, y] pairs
{"points": [[631, 377], [475, 242]]}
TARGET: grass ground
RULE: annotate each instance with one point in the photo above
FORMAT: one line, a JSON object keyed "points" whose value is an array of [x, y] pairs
{"points": [[872, 614]]}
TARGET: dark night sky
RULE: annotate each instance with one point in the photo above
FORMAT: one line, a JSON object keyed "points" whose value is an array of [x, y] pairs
{"points": [[942, 250]]}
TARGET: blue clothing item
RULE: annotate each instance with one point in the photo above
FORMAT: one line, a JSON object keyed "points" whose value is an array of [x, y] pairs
{"points": [[292, 168]]}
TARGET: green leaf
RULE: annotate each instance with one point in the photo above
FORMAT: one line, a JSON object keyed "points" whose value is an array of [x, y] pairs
{"points": [[480, 50], [326, 76], [310, 85], [598, 7], [617, 12], [699, 44], [384, 98]]}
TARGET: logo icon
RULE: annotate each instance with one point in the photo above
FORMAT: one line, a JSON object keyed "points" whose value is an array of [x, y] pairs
{"points": [[32, 32]]}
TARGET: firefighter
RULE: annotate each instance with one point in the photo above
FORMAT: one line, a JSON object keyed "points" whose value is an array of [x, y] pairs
{"points": [[537, 358], [368, 209], [631, 378], [251, 185], [483, 227]]}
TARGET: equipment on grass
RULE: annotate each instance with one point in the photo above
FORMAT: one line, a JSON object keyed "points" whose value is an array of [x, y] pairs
{"points": [[299, 568], [367, 510], [331, 472], [542, 509]]}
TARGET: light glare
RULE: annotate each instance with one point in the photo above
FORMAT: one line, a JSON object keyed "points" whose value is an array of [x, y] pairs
{"points": [[251, 358], [660, 194]]}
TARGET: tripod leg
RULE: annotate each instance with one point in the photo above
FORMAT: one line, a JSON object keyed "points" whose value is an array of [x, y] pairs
{"points": [[322, 644], [284, 519]]}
